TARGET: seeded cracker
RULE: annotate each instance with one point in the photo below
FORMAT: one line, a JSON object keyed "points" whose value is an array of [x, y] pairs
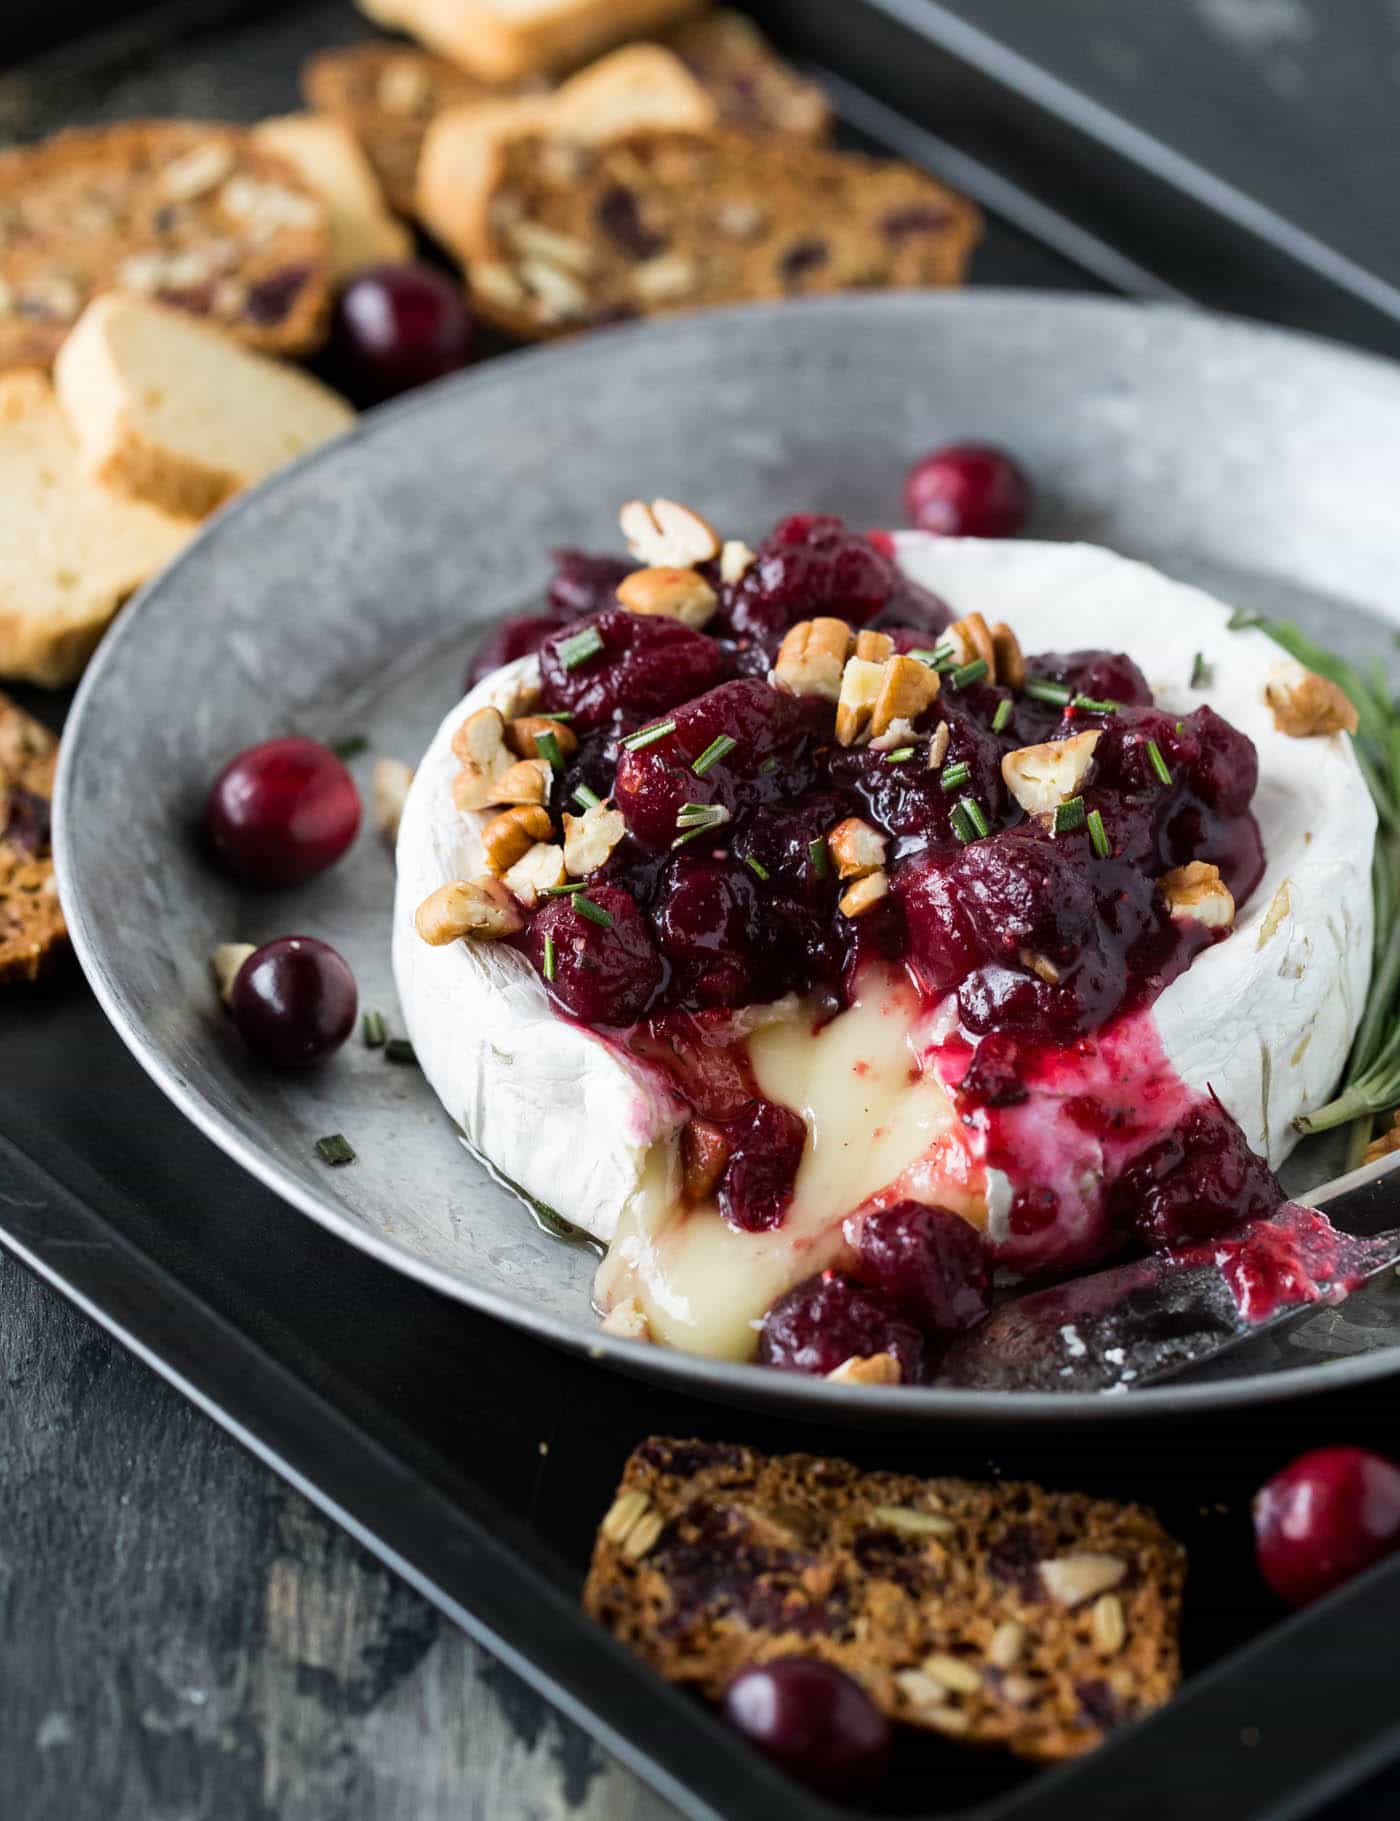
{"points": [[32, 932], [1002, 1615]]}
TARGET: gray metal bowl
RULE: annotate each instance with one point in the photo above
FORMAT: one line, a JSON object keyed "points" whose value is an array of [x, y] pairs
{"points": [[342, 598]]}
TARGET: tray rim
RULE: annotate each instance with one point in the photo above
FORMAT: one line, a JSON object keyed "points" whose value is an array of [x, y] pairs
{"points": [[733, 1384]]}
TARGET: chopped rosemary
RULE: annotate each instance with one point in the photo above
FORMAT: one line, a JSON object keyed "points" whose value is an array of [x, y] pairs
{"points": [[816, 853], [1201, 677], [335, 1149], [586, 798], [972, 809], [768, 767], [350, 748], [547, 747], [968, 673], [648, 736], [1098, 834], [953, 776], [594, 912], [399, 1049], [699, 819], [549, 958], [562, 891], [1158, 763], [962, 824], [374, 1033], [757, 868], [554, 714], [1002, 715], [1093, 704], [717, 749], [1069, 816], [900, 756], [1041, 689], [580, 648]]}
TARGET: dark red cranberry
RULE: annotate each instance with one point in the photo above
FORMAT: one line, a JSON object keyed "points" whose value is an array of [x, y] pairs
{"points": [[605, 972], [584, 583], [283, 811], [1224, 769], [1200, 1180], [766, 1149], [929, 1262], [514, 638], [812, 1721], [657, 780], [993, 1078], [1323, 1519], [831, 1318], [399, 326], [967, 490], [294, 1002], [645, 666], [810, 564], [710, 923], [1103, 675]]}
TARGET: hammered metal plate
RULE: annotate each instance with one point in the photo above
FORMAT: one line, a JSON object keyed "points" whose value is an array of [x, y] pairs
{"points": [[343, 597]]}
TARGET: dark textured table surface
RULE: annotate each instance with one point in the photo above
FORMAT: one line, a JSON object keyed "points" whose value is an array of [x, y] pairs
{"points": [[180, 1634]]}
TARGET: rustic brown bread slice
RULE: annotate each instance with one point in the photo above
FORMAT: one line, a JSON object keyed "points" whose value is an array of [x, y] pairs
{"points": [[505, 40], [753, 87], [388, 95], [1003, 1615], [32, 932], [193, 213], [642, 86], [70, 551], [658, 222]]}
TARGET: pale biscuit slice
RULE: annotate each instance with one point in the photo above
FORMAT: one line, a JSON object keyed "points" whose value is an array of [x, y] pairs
{"points": [[503, 40], [330, 161]]}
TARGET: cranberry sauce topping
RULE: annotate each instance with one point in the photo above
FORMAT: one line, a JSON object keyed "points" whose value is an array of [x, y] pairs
{"points": [[1047, 934]]}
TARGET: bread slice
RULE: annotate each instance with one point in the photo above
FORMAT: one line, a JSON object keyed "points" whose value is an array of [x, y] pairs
{"points": [[640, 86], [657, 222], [70, 551], [32, 930], [1000, 1615], [171, 413], [195, 214], [753, 88], [327, 156], [386, 95], [503, 40]]}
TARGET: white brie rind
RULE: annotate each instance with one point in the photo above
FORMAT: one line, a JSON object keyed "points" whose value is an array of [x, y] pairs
{"points": [[1265, 1017]]}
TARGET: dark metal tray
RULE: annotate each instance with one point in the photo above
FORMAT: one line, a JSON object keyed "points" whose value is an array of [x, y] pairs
{"points": [[475, 1461]]}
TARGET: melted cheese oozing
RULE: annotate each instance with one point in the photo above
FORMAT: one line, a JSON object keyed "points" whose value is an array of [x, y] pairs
{"points": [[874, 1118]]}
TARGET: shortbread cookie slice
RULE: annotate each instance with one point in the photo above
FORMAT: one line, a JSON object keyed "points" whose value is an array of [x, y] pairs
{"points": [[32, 931], [641, 86], [680, 221], [1002, 1615], [170, 412], [753, 88], [70, 551], [195, 214], [329, 159], [387, 95], [504, 40]]}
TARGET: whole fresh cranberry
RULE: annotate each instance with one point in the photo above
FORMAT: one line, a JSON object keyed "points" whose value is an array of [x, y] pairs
{"points": [[282, 811], [399, 326], [605, 966], [929, 1262], [812, 1721], [967, 490], [829, 1319], [1201, 1179], [809, 565], [1324, 1518], [294, 1002], [626, 664], [765, 1151]]}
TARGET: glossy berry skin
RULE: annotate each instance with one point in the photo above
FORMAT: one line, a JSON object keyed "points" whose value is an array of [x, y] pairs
{"points": [[399, 326], [604, 975], [282, 812], [823, 1322], [933, 1265], [967, 490], [294, 1002], [812, 1721], [1324, 1518]]}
